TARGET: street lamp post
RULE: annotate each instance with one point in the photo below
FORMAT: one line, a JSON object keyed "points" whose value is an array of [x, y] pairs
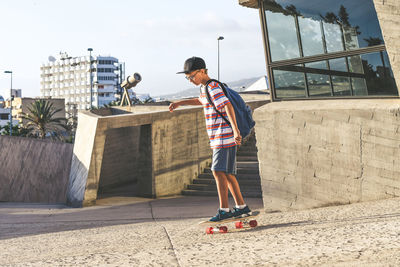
{"points": [[11, 98], [91, 81], [219, 39]]}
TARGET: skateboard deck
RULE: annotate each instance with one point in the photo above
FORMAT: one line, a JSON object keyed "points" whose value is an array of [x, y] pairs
{"points": [[220, 227]]}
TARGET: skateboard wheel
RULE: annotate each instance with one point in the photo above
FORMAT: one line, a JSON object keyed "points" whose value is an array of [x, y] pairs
{"points": [[238, 225], [209, 230], [253, 223], [223, 229]]}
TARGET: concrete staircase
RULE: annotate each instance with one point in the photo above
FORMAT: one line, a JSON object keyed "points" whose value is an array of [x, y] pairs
{"points": [[247, 174]]}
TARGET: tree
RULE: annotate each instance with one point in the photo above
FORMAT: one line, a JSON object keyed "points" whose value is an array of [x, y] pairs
{"points": [[148, 100], [330, 17], [17, 130], [344, 16], [293, 10], [42, 122], [112, 104], [371, 41]]}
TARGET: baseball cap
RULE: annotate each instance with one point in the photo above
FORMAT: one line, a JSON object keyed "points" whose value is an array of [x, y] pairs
{"points": [[193, 63]]}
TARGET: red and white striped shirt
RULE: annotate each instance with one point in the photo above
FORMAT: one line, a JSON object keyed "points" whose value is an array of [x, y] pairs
{"points": [[219, 132]]}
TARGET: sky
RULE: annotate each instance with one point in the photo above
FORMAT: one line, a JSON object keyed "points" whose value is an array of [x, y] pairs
{"points": [[153, 38]]}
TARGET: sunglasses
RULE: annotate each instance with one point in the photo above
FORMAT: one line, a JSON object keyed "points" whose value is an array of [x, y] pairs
{"points": [[190, 78]]}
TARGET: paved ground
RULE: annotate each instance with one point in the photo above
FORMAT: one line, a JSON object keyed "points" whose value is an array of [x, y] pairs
{"points": [[164, 232]]}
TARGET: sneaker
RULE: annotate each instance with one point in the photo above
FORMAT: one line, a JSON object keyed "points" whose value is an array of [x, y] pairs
{"points": [[238, 213], [221, 215]]}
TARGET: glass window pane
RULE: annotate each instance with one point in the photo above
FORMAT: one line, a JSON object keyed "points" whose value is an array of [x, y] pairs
{"points": [[387, 64], [289, 84], [317, 65], [341, 86], [311, 36], [338, 64], [356, 20], [379, 81], [333, 37], [327, 26], [318, 85], [355, 64], [359, 86], [350, 35], [283, 46]]}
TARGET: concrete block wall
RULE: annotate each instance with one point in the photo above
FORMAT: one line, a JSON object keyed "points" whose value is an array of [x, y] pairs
{"points": [[388, 12], [178, 151], [33, 170], [319, 153], [121, 158]]}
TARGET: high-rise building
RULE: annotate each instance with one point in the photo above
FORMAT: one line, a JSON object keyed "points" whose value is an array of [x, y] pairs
{"points": [[69, 78]]}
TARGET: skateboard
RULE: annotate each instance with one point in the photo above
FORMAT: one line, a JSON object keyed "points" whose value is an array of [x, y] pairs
{"points": [[242, 222]]}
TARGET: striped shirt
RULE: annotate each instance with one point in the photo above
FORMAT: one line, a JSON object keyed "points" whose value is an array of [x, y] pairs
{"points": [[219, 132]]}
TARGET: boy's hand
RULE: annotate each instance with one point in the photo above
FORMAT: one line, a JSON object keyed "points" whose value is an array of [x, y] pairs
{"points": [[237, 137], [173, 106]]}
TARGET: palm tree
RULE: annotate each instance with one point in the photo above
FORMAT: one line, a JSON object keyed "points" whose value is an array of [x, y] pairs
{"points": [[148, 100], [41, 120], [371, 41], [111, 104]]}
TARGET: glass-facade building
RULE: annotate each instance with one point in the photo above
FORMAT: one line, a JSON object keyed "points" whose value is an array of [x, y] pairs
{"points": [[325, 49]]}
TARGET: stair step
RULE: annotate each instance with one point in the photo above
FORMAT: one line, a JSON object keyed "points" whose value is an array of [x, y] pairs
{"points": [[249, 148], [247, 174], [241, 182], [211, 187], [214, 193], [240, 170], [242, 165], [246, 158], [247, 164], [249, 143], [246, 153], [240, 176]]}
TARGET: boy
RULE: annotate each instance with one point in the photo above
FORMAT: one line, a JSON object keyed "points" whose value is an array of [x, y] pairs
{"points": [[223, 138]]}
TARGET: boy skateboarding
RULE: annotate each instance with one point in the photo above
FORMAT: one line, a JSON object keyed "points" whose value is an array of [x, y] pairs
{"points": [[223, 137]]}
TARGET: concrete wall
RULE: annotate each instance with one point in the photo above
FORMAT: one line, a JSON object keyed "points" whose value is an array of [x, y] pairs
{"points": [[389, 19], [180, 150], [318, 153], [137, 109], [173, 149], [33, 170], [121, 154]]}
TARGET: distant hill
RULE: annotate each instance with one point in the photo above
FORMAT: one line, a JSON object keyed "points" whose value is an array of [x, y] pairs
{"points": [[239, 86]]}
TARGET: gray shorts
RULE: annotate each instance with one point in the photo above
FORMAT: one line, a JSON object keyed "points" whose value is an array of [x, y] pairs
{"points": [[224, 159]]}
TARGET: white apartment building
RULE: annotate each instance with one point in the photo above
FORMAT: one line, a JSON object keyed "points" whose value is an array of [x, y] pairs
{"points": [[69, 78], [4, 113]]}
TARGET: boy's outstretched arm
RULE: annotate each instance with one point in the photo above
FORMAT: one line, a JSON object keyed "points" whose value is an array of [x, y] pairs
{"points": [[191, 102]]}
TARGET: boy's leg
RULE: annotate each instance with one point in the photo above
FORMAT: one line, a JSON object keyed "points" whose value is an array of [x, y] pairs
{"points": [[233, 184], [224, 182], [222, 187], [234, 187]]}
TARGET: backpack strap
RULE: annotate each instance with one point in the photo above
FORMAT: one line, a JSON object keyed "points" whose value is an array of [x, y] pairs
{"points": [[212, 103]]}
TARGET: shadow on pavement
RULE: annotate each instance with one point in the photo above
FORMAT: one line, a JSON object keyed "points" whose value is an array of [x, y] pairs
{"points": [[17, 220]]}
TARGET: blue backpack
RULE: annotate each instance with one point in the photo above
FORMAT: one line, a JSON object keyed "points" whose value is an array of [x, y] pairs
{"points": [[244, 118]]}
